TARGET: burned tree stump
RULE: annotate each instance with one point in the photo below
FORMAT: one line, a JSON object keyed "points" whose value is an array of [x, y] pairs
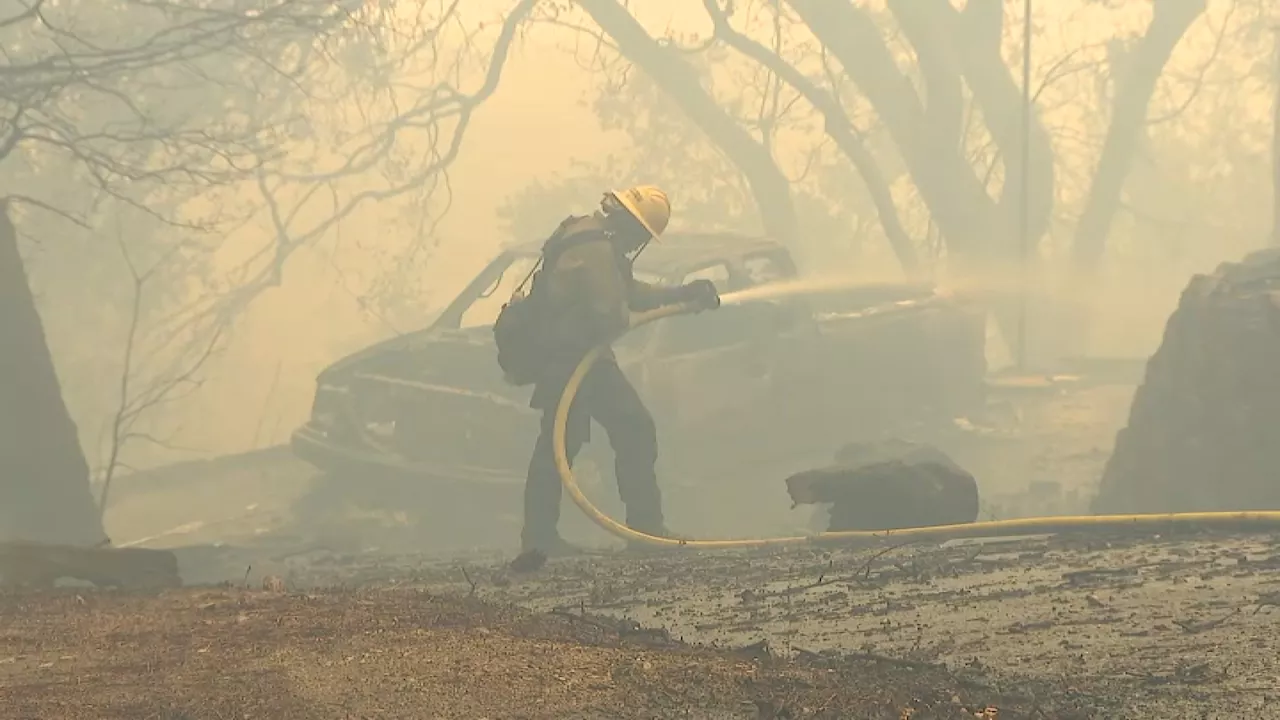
{"points": [[1204, 429], [888, 486], [44, 479], [35, 565]]}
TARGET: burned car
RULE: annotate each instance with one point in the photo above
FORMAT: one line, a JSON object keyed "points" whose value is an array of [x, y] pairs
{"points": [[751, 385]]}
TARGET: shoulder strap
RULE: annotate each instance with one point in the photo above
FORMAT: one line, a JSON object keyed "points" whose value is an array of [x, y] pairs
{"points": [[575, 230], [561, 240]]}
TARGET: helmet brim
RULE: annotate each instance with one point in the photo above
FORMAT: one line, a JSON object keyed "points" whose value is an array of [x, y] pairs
{"points": [[635, 213]]}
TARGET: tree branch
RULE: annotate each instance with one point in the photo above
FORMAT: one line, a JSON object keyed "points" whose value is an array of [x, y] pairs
{"points": [[1198, 82], [1170, 21], [975, 38], [944, 90], [946, 181], [27, 13], [118, 420], [837, 126], [769, 187]]}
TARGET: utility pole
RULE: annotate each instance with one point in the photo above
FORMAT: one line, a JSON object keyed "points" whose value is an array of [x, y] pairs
{"points": [[1275, 147], [1024, 210]]}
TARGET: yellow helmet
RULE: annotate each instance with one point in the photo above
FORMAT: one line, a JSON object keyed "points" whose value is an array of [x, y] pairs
{"points": [[648, 204]]}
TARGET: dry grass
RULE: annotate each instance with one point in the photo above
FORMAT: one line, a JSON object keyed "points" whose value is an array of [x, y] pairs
{"points": [[404, 653]]}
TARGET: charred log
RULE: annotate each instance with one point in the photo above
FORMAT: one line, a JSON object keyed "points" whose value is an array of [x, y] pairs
{"points": [[888, 486]]}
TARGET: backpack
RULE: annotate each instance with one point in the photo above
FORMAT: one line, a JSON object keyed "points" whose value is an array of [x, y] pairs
{"points": [[521, 331]]}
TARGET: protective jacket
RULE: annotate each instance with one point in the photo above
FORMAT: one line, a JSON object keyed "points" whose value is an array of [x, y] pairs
{"points": [[590, 288]]}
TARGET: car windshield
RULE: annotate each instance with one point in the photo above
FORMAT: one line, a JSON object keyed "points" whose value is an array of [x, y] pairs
{"points": [[763, 269], [485, 308]]}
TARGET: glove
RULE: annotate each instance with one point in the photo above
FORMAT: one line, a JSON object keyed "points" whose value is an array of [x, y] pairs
{"points": [[701, 294]]}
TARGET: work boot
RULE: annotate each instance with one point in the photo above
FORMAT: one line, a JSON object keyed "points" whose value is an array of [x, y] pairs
{"points": [[534, 555], [552, 547]]}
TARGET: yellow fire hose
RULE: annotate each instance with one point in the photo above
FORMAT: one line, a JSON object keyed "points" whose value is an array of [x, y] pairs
{"points": [[1162, 523]]}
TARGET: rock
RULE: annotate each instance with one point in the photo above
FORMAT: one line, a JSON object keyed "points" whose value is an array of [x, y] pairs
{"points": [[889, 485], [1204, 429]]}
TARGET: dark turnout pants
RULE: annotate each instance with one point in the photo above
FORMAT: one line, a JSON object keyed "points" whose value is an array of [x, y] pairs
{"points": [[607, 396]]}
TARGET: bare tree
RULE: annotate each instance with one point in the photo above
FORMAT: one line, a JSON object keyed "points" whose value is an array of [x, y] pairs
{"points": [[63, 93], [1132, 97], [955, 50], [837, 125], [440, 114], [113, 109], [142, 387], [928, 135], [770, 187], [953, 193]]}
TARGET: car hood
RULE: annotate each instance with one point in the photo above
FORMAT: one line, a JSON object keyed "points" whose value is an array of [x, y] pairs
{"points": [[389, 352], [464, 359]]}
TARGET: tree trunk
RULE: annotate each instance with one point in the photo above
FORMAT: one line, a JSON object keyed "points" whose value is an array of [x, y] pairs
{"points": [[979, 235], [978, 33], [944, 88], [955, 196], [44, 479], [838, 127], [1170, 21], [769, 187]]}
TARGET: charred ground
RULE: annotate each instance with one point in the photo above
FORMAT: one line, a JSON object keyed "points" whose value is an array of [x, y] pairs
{"points": [[406, 652], [1037, 627]]}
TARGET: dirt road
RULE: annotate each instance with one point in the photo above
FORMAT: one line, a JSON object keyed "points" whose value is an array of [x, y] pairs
{"points": [[1180, 629], [1156, 628], [1067, 629], [405, 653]]}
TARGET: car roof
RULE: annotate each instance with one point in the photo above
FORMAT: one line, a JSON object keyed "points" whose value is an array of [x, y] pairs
{"points": [[684, 251]]}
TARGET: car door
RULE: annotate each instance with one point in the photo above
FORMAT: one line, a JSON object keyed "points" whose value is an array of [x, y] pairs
{"points": [[710, 371]]}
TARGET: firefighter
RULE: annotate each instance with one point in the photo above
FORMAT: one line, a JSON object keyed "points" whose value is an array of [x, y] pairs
{"points": [[590, 294]]}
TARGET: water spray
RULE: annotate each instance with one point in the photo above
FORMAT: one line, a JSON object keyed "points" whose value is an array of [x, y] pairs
{"points": [[816, 285], [975, 287]]}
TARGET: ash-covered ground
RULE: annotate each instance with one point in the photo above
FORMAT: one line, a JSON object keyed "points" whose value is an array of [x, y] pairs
{"points": [[358, 622]]}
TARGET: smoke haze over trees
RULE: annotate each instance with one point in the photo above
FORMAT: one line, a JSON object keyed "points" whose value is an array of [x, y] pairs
{"points": [[213, 199]]}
